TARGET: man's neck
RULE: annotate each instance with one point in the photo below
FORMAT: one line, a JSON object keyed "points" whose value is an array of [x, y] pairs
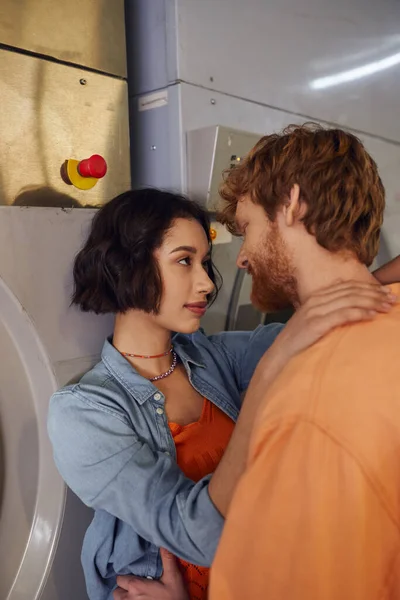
{"points": [[325, 269]]}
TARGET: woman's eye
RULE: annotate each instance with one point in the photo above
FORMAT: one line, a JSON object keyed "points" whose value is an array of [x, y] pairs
{"points": [[185, 261]]}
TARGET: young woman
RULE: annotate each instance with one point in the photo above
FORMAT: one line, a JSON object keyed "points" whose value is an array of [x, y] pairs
{"points": [[147, 437]]}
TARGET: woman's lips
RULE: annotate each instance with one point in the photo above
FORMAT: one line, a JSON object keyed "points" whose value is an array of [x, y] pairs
{"points": [[198, 308]]}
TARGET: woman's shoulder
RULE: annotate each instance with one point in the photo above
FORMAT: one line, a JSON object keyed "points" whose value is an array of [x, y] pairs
{"points": [[96, 391]]}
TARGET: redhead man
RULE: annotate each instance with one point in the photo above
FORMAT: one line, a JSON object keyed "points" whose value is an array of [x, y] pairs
{"points": [[316, 514]]}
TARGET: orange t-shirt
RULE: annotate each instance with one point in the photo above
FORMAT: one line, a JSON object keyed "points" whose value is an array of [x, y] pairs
{"points": [[316, 515], [199, 448]]}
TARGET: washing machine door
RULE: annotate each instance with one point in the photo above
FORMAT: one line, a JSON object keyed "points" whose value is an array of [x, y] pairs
{"points": [[31, 491]]}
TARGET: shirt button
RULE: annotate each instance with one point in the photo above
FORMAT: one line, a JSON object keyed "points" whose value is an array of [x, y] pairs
{"points": [[157, 396], [149, 577], [159, 411]]}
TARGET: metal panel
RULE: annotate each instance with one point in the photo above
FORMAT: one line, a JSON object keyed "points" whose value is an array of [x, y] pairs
{"points": [[210, 151], [277, 53], [89, 33], [151, 45], [49, 113], [156, 141]]}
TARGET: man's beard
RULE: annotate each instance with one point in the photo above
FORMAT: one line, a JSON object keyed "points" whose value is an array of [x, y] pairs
{"points": [[274, 284]]}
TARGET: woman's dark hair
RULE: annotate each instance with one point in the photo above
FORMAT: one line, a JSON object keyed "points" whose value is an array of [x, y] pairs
{"points": [[116, 269]]}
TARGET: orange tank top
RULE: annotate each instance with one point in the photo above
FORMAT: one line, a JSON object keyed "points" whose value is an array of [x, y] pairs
{"points": [[199, 448]]}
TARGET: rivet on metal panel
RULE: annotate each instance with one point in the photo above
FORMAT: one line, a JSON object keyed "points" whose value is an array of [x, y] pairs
{"points": [[213, 101], [153, 148], [83, 81]]}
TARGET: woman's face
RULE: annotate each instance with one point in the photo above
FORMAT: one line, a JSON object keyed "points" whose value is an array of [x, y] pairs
{"points": [[182, 259]]}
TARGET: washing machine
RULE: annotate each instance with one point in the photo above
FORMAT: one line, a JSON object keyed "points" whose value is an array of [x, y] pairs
{"points": [[64, 101]]}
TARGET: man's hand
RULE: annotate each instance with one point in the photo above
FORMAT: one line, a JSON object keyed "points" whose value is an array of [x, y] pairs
{"points": [[169, 587], [340, 304]]}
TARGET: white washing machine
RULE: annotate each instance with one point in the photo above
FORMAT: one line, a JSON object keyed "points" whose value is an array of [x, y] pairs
{"points": [[43, 344], [63, 96]]}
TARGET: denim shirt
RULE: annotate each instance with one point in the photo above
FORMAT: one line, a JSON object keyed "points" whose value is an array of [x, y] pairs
{"points": [[114, 449]]}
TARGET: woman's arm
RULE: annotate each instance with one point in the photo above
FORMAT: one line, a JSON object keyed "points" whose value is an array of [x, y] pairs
{"points": [[389, 273], [109, 467]]}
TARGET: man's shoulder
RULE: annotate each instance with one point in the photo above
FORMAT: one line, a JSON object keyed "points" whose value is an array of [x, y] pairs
{"points": [[346, 390], [350, 364], [349, 346], [378, 339]]}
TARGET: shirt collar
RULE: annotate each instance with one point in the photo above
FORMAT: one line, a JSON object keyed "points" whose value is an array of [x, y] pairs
{"points": [[139, 387]]}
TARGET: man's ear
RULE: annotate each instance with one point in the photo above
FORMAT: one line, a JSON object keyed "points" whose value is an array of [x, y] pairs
{"points": [[293, 209]]}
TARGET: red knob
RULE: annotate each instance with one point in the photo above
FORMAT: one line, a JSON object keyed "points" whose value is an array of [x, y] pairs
{"points": [[95, 166]]}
